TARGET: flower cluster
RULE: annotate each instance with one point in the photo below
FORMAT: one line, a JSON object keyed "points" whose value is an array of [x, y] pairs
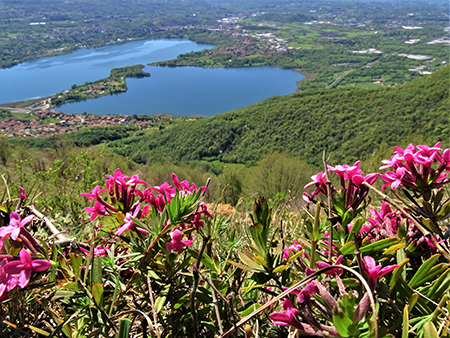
{"points": [[412, 168], [134, 203], [384, 223], [303, 318], [17, 270], [352, 193]]}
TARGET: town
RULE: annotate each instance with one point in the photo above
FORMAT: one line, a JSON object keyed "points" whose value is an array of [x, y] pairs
{"points": [[49, 122]]}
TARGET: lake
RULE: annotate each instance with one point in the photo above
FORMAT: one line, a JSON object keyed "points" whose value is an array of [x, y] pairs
{"points": [[179, 91]]}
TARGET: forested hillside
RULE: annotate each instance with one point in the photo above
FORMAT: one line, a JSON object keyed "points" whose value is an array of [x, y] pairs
{"points": [[349, 123]]}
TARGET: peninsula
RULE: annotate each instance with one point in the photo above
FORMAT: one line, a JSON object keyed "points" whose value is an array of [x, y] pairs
{"points": [[114, 83]]}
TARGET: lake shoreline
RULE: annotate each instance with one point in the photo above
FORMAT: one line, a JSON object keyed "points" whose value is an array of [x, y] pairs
{"points": [[181, 92]]}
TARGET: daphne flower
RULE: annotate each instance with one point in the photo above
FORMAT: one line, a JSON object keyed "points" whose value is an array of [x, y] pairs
{"points": [[14, 228], [374, 271], [292, 248], [98, 209], [94, 194], [129, 223], [333, 272], [177, 244], [7, 281], [22, 194], [25, 267], [286, 318]]}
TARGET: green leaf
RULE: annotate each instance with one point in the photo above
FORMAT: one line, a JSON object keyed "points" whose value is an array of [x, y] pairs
{"points": [[73, 286], [62, 294], [97, 270], [341, 322], [429, 330], [393, 249], [405, 322], [97, 293], [222, 287], [423, 270], [162, 298], [240, 266], [347, 219], [397, 273], [348, 282], [208, 262], [280, 268], [348, 305], [413, 300], [249, 310], [75, 262], [248, 260], [445, 210], [37, 330], [440, 286], [124, 328], [348, 248], [379, 245], [355, 229], [435, 271], [260, 261]]}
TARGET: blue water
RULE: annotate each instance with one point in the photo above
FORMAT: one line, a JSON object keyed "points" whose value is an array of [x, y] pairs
{"points": [[179, 91]]}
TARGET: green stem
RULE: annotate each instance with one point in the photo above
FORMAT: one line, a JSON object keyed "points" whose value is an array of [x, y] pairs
{"points": [[314, 241]]}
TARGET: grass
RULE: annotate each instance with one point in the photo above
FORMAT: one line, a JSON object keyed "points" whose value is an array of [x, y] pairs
{"points": [[50, 120], [5, 114]]}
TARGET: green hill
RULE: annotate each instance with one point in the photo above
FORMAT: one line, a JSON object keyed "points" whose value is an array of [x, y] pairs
{"points": [[350, 123]]}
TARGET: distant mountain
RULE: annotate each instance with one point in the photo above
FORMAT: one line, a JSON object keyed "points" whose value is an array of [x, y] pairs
{"points": [[350, 123]]}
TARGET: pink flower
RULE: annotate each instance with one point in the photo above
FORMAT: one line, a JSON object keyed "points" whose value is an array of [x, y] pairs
{"points": [[94, 194], [98, 251], [98, 209], [374, 271], [14, 228], [25, 267], [288, 317], [370, 179], [292, 248], [7, 281], [320, 180], [393, 178], [129, 224], [333, 272], [22, 194], [412, 168], [177, 244]]}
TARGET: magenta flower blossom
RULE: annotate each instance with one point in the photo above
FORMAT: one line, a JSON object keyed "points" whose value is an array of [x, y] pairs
{"points": [[288, 317], [7, 281], [177, 244], [14, 228], [98, 209], [25, 267], [94, 194], [291, 248], [345, 172], [129, 224], [412, 168], [352, 193], [22, 194], [333, 272], [98, 251], [384, 223], [374, 271]]}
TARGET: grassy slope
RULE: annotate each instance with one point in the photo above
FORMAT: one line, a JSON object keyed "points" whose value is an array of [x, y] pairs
{"points": [[349, 122]]}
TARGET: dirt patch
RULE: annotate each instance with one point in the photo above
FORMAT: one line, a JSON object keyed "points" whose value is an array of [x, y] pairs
{"points": [[221, 209]]}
